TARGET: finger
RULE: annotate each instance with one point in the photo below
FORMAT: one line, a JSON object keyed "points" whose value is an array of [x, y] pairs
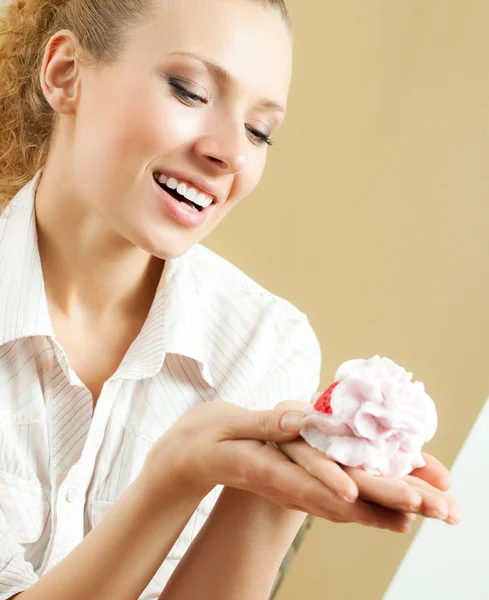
{"points": [[436, 504], [281, 424], [294, 405], [320, 466], [392, 520], [389, 492], [372, 515], [434, 472], [289, 485]]}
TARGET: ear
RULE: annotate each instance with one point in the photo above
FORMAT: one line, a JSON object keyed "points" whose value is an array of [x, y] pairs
{"points": [[60, 76]]}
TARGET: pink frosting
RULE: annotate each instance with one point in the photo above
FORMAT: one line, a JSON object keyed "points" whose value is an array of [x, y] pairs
{"points": [[380, 418]]}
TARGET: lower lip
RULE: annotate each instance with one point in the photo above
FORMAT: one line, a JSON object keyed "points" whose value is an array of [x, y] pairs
{"points": [[180, 211]]}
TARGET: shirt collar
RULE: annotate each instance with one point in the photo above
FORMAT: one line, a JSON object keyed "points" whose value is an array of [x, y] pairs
{"points": [[174, 323]]}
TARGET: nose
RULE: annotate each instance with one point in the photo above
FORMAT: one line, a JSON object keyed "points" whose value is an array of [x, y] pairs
{"points": [[223, 150]]}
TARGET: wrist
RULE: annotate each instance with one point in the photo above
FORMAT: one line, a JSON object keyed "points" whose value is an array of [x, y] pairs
{"points": [[275, 515], [157, 494], [169, 475]]}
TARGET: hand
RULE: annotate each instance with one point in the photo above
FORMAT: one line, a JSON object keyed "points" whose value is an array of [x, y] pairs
{"points": [[220, 443], [421, 492]]}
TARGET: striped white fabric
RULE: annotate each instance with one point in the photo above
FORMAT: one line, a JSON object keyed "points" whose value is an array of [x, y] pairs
{"points": [[212, 333]]}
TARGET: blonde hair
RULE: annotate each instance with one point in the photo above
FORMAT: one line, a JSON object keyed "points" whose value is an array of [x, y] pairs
{"points": [[26, 26]]}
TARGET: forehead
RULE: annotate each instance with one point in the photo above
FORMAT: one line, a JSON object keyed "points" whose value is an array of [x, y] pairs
{"points": [[248, 40]]}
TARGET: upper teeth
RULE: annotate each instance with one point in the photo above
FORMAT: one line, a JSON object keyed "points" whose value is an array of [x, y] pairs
{"points": [[187, 191]]}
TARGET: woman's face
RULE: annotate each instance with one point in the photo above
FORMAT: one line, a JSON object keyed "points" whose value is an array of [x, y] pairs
{"points": [[195, 97]]}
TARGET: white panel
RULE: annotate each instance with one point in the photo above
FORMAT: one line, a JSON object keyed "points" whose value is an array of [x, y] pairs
{"points": [[452, 563]]}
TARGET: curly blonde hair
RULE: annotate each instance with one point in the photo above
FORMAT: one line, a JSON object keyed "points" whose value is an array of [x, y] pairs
{"points": [[26, 119]]}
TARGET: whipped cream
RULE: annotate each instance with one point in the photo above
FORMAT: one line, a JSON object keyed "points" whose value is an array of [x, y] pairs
{"points": [[379, 418]]}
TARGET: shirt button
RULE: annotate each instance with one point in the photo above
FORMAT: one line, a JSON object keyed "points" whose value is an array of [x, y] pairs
{"points": [[71, 494]]}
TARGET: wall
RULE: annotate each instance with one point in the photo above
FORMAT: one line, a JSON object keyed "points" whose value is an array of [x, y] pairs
{"points": [[373, 219]]}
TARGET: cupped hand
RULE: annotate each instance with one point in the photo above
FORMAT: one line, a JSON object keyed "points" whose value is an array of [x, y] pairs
{"points": [[421, 492], [220, 443]]}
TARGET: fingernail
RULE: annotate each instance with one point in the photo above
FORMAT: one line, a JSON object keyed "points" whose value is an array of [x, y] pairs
{"points": [[349, 495], [440, 514], [406, 528], [292, 421], [444, 512], [416, 501], [455, 516]]}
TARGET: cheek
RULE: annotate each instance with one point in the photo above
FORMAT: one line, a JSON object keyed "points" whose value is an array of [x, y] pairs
{"points": [[108, 125], [134, 122], [243, 186], [124, 127], [246, 182]]}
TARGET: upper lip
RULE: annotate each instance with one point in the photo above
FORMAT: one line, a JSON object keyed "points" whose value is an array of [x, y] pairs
{"points": [[199, 182]]}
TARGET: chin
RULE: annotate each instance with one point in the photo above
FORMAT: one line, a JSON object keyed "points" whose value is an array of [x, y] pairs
{"points": [[165, 250]]}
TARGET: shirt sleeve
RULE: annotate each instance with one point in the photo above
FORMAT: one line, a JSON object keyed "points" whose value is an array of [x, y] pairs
{"points": [[292, 370], [16, 574]]}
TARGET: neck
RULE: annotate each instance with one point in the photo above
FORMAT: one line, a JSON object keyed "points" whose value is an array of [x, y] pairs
{"points": [[89, 269]]}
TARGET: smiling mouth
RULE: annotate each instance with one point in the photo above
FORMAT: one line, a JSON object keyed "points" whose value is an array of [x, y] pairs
{"points": [[177, 196]]}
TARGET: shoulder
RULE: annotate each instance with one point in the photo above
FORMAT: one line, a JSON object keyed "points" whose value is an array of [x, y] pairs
{"points": [[227, 288], [219, 270], [249, 328]]}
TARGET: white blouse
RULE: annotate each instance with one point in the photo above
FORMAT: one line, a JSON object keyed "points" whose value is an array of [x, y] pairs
{"points": [[212, 333]]}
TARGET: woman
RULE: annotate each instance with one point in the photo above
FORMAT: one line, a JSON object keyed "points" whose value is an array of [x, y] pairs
{"points": [[141, 373]]}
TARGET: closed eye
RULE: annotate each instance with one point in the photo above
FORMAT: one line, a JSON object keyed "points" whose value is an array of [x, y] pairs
{"points": [[186, 94], [194, 99], [260, 136]]}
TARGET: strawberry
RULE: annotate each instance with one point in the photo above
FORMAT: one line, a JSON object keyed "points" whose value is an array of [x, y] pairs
{"points": [[323, 403]]}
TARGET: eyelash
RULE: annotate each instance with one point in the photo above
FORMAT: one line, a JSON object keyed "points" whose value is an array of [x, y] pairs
{"points": [[194, 99]]}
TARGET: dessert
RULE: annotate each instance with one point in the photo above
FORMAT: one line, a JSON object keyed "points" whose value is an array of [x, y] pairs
{"points": [[373, 417]]}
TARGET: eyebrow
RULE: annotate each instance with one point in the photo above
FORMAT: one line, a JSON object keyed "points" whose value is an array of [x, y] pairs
{"points": [[226, 78]]}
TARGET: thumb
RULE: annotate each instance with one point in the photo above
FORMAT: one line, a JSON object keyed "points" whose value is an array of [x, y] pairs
{"points": [[282, 424]]}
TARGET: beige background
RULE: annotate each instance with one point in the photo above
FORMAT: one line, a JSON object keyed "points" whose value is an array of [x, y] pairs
{"points": [[373, 219]]}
